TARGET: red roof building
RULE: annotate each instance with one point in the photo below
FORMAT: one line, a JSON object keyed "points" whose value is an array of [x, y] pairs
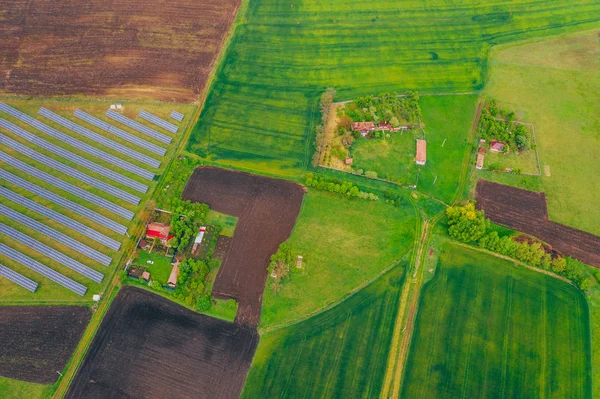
{"points": [[385, 126], [363, 127], [421, 157], [160, 231], [496, 146]]}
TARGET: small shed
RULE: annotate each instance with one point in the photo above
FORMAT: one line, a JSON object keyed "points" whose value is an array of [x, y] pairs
{"points": [[146, 276], [348, 161], [299, 261], [172, 283], [421, 157], [479, 164], [198, 239]]}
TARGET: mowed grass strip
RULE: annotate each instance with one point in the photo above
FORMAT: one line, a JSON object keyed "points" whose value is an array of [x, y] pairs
{"points": [[344, 242], [340, 353], [487, 328], [261, 112]]}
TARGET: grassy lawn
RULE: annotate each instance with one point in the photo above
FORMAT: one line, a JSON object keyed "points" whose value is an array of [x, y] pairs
{"points": [[340, 353], [261, 112], [556, 86], [392, 159], [159, 270], [524, 160], [486, 328], [15, 389], [226, 222], [344, 242]]}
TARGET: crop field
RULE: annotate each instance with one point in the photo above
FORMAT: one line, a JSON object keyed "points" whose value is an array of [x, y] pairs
{"points": [[339, 353], [90, 189], [144, 49], [148, 346], [487, 328], [342, 250], [38, 341], [262, 110], [555, 85]]}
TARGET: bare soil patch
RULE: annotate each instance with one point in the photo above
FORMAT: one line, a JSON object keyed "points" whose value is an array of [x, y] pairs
{"points": [[526, 211], [137, 49], [37, 341], [222, 247], [266, 210], [150, 347]]}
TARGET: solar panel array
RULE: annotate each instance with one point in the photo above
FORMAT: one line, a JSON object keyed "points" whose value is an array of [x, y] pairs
{"points": [[60, 218], [158, 121], [56, 182], [18, 279], [73, 157], [138, 126], [99, 138], [65, 203], [43, 270], [51, 253], [67, 170], [80, 145], [55, 235], [177, 116], [107, 127]]}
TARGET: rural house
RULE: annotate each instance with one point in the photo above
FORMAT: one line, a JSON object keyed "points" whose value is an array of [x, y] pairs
{"points": [[363, 127], [421, 157], [172, 282], [160, 231], [496, 146], [384, 126], [479, 164]]}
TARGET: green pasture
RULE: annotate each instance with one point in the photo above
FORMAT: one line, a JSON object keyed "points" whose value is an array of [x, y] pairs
{"points": [[488, 328], [524, 160], [226, 222], [344, 242], [392, 159], [48, 290], [261, 111], [16, 389], [555, 85], [340, 353], [160, 270]]}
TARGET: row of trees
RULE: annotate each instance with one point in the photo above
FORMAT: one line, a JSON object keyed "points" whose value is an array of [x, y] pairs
{"points": [[386, 107], [467, 224], [497, 124], [325, 104], [336, 186]]}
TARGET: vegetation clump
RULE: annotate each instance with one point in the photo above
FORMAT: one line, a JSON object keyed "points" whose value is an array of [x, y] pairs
{"points": [[185, 223], [386, 107], [320, 142], [500, 125], [466, 223], [280, 265], [338, 186]]}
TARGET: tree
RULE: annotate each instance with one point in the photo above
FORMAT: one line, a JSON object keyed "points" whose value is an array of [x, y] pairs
{"points": [[370, 174], [203, 303], [281, 261], [559, 265], [522, 142], [466, 223], [586, 283]]}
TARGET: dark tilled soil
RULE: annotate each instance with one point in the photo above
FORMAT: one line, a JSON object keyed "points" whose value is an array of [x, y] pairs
{"points": [[222, 247], [135, 49], [267, 210], [526, 211], [37, 341], [150, 347]]}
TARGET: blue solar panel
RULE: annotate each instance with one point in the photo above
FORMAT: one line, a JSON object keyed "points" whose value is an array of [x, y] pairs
{"points": [[158, 122], [24, 134], [65, 203], [177, 116], [51, 253], [113, 145], [55, 181], [18, 279], [43, 270], [60, 218], [55, 235], [138, 126]]}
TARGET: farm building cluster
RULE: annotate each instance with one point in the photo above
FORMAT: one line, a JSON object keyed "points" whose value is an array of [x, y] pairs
{"points": [[367, 127]]}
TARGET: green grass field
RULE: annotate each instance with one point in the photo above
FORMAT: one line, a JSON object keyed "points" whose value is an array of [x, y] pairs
{"points": [[556, 86], [486, 328], [261, 111], [160, 270], [340, 353], [227, 222], [345, 242]]}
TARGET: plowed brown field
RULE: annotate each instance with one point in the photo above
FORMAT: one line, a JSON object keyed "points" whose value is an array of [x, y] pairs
{"points": [[150, 347], [267, 210], [526, 211], [135, 49], [37, 341]]}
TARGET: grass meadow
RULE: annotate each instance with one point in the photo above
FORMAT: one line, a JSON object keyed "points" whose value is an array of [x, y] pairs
{"points": [[555, 85], [344, 242], [49, 291], [487, 328], [261, 111], [340, 353]]}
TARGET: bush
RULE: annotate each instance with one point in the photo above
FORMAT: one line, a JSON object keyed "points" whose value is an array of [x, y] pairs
{"points": [[370, 174], [204, 303], [466, 223]]}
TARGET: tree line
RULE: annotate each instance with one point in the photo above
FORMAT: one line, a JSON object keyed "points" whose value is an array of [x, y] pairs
{"points": [[343, 187]]}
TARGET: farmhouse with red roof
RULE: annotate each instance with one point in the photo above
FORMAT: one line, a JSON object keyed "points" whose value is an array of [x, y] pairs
{"points": [[496, 146], [160, 231]]}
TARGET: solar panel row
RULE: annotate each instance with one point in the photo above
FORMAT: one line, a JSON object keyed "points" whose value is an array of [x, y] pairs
{"points": [[67, 170], [55, 181], [138, 126], [65, 203], [60, 218], [24, 134], [107, 127], [51, 253], [64, 122], [55, 235], [43, 270], [177, 116], [18, 279], [80, 145], [158, 121]]}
